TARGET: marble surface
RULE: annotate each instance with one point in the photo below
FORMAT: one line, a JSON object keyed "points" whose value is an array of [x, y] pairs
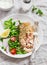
{"points": [[40, 56]]}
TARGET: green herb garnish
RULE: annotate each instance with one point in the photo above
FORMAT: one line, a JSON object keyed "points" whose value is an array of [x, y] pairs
{"points": [[37, 11]]}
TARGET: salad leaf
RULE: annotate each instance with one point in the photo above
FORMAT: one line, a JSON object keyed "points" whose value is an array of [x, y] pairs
{"points": [[21, 51], [13, 44], [1, 39], [8, 23]]}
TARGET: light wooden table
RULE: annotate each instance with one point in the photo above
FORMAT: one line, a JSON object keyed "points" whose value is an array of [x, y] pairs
{"points": [[40, 56]]}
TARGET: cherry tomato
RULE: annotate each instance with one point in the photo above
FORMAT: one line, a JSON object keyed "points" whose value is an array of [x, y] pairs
{"points": [[13, 51], [13, 39]]}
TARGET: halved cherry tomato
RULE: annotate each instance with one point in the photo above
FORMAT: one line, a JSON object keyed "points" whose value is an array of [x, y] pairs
{"points": [[13, 39], [13, 51]]}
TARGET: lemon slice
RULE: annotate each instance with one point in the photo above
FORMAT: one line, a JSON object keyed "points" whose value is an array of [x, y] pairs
{"points": [[5, 33]]}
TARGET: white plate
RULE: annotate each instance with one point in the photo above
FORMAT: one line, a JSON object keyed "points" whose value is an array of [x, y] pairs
{"points": [[23, 18]]}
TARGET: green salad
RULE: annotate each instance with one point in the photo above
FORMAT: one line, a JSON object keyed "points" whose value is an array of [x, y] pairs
{"points": [[13, 42]]}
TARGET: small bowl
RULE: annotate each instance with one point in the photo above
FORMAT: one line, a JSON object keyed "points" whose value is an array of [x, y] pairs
{"points": [[8, 8]]}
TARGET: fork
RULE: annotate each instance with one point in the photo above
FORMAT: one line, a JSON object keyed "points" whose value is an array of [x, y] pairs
{"points": [[36, 41]]}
